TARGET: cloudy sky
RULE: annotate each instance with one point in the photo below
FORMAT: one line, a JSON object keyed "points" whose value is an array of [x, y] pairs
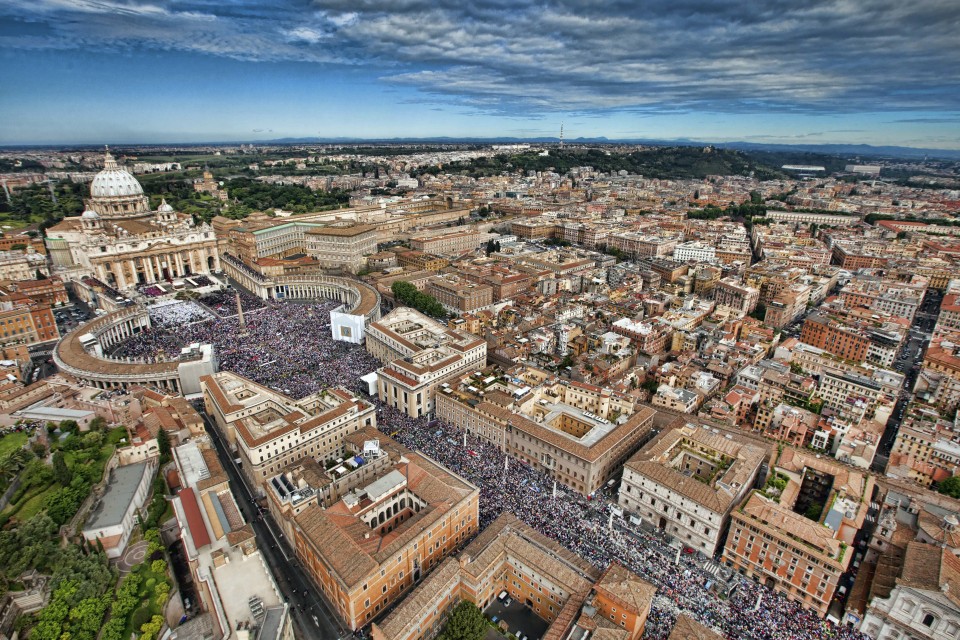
{"points": [[847, 71]]}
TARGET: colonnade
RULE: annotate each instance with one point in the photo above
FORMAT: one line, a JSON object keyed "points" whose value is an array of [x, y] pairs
{"points": [[148, 269]]}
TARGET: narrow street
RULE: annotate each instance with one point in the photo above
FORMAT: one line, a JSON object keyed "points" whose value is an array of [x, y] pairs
{"points": [[908, 363], [312, 616]]}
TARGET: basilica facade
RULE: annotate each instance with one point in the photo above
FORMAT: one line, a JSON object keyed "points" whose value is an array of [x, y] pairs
{"points": [[119, 240]]}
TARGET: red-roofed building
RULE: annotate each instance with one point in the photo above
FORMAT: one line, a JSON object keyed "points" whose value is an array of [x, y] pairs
{"points": [[195, 523]]}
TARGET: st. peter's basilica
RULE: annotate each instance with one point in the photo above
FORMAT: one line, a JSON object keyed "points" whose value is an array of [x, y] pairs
{"points": [[121, 242]]}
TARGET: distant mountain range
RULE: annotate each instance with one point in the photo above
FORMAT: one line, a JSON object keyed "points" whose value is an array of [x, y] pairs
{"points": [[830, 149]]}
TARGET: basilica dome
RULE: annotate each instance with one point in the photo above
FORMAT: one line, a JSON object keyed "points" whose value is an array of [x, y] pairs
{"points": [[114, 181]]}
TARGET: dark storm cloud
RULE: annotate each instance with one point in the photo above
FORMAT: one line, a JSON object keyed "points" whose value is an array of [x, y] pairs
{"points": [[587, 56]]}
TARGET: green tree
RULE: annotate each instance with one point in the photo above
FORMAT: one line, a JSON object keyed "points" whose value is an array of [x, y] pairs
{"points": [[64, 503], [152, 629], [466, 622], [97, 424], [950, 487], [408, 295], [61, 472], [12, 463], [163, 445], [650, 385], [69, 425]]}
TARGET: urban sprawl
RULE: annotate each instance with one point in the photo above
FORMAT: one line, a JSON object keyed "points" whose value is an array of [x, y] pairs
{"points": [[562, 402]]}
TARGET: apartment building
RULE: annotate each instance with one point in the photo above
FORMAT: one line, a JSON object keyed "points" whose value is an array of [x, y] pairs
{"points": [[640, 245], [23, 323], [795, 535], [731, 293], [676, 399], [851, 340], [451, 243], [23, 265], [895, 299], [852, 396], [649, 337], [696, 251], [787, 305], [269, 430], [939, 380], [505, 280], [533, 229], [460, 296], [420, 261], [949, 319], [418, 354], [687, 480], [48, 291]]}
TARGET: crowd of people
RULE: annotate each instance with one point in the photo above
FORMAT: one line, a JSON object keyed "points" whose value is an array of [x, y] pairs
{"points": [[583, 525], [177, 313], [289, 347], [224, 302]]}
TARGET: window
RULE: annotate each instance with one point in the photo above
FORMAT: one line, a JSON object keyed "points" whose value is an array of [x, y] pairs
{"points": [[929, 620]]}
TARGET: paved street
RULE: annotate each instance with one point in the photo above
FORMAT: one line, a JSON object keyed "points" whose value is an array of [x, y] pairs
{"points": [[908, 363], [311, 614]]}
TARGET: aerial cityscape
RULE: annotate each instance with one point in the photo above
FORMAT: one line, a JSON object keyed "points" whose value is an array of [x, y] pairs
{"points": [[499, 321]]}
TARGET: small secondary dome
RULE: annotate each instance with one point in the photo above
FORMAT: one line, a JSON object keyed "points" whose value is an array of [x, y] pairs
{"points": [[114, 181], [164, 207], [90, 215]]}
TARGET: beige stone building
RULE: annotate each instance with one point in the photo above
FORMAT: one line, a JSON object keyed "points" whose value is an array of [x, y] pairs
{"points": [[460, 296], [122, 242], [731, 293], [577, 433], [451, 243], [418, 354], [22, 265], [269, 430], [561, 588], [341, 247], [687, 480]]}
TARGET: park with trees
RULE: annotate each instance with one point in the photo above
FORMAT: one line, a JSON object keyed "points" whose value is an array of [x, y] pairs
{"points": [[89, 600]]}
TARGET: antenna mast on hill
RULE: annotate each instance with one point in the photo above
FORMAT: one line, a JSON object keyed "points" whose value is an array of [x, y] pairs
{"points": [[561, 136]]}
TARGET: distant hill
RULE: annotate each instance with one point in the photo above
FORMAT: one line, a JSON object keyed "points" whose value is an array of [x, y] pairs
{"points": [[829, 149], [659, 162], [848, 151]]}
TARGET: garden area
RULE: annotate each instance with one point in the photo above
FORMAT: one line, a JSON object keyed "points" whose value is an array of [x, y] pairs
{"points": [[86, 601], [77, 463], [84, 588], [467, 622]]}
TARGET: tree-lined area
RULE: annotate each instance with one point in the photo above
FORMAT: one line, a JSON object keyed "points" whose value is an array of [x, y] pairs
{"points": [[655, 162], [85, 592], [407, 294]]}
